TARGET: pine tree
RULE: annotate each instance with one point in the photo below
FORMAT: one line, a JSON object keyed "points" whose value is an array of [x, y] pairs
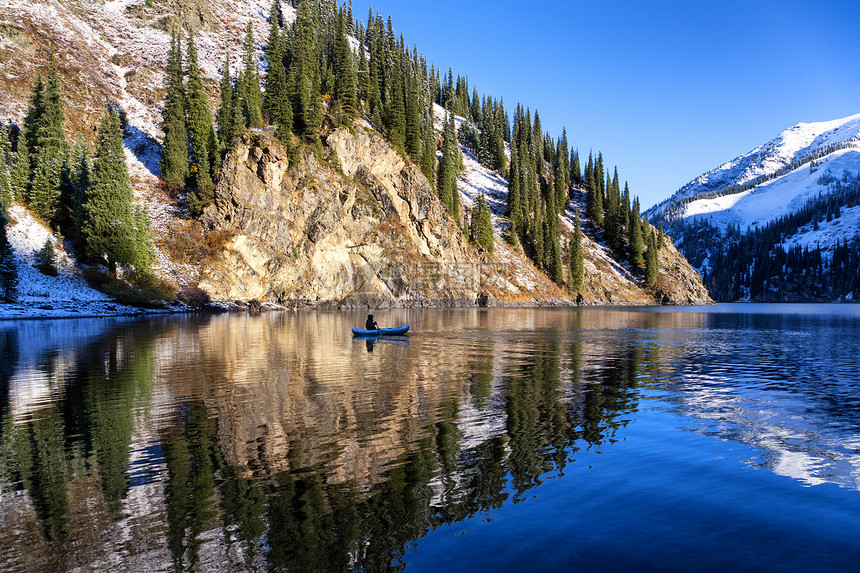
{"points": [[428, 146], [249, 91], [346, 83], [575, 169], [46, 259], [276, 102], [32, 118], [199, 116], [6, 166], [635, 235], [109, 227], [8, 266], [577, 272], [226, 130], [552, 243], [77, 185], [20, 173], [448, 170], [301, 72], [652, 263], [174, 155], [413, 117], [482, 225], [515, 200], [49, 148]]}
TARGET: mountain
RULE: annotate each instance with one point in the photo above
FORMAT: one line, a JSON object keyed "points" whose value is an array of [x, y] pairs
{"points": [[256, 241], [778, 223]]}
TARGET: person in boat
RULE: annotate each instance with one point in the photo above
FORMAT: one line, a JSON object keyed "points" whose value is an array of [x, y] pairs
{"points": [[370, 324]]}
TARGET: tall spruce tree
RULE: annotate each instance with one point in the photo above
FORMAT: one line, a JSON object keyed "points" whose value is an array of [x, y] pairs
{"points": [[174, 155], [49, 148], [652, 263], [199, 118], [577, 272], [448, 169], [635, 235], [482, 225], [276, 101], [7, 162], [555, 268], [250, 96], [226, 131], [346, 83], [301, 73], [109, 228], [8, 266]]}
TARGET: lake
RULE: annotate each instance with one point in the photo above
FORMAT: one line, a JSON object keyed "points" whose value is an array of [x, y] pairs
{"points": [[598, 439]]}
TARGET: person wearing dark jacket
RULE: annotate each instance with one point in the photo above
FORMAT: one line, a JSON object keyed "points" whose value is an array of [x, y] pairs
{"points": [[370, 324]]}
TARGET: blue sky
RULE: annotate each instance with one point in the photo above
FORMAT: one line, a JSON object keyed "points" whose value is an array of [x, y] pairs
{"points": [[676, 87]]}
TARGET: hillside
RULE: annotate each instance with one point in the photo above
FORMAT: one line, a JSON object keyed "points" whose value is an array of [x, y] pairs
{"points": [[115, 52], [793, 197]]}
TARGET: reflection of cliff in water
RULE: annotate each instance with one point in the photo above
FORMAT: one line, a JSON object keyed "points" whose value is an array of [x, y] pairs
{"points": [[272, 442]]}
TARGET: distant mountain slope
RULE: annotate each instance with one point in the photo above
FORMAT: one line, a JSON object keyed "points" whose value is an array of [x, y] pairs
{"points": [[797, 191]]}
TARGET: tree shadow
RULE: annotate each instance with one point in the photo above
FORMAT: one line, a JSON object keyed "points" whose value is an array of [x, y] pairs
{"points": [[145, 148]]}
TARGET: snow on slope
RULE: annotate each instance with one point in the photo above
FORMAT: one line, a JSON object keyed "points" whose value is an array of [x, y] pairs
{"points": [[476, 179], [774, 198], [790, 145], [66, 295]]}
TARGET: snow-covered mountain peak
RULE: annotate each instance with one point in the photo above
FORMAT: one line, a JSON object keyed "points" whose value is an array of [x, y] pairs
{"points": [[795, 145]]}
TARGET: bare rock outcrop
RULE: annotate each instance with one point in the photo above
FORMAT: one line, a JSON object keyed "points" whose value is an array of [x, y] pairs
{"points": [[360, 228]]}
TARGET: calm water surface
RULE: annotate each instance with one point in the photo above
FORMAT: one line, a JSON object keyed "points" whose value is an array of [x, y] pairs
{"points": [[710, 439]]}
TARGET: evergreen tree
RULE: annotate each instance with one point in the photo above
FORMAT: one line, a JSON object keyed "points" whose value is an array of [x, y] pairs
{"points": [[6, 166], [428, 146], [482, 225], [635, 235], [49, 148], [174, 155], [301, 78], [46, 259], [200, 125], [577, 272], [45, 187], [552, 244], [20, 173], [575, 169], [226, 130], [32, 118], [448, 166], [8, 266], [251, 99], [276, 102], [515, 200], [346, 83], [109, 227], [413, 117], [75, 188], [652, 263]]}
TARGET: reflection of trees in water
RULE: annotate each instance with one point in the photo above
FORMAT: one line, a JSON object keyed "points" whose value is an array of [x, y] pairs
{"points": [[190, 455], [553, 402], [86, 431]]}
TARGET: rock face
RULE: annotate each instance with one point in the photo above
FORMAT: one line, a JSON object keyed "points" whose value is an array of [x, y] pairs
{"points": [[678, 283], [373, 234], [364, 228]]}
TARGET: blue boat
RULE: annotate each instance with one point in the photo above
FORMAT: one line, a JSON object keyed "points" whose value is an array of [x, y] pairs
{"points": [[400, 330]]}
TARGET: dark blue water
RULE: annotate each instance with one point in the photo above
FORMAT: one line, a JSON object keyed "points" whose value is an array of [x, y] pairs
{"points": [[709, 439]]}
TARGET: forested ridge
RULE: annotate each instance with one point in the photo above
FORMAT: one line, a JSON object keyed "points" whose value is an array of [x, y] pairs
{"points": [[320, 71]]}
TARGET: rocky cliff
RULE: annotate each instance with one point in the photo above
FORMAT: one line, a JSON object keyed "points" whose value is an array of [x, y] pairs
{"points": [[357, 226]]}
